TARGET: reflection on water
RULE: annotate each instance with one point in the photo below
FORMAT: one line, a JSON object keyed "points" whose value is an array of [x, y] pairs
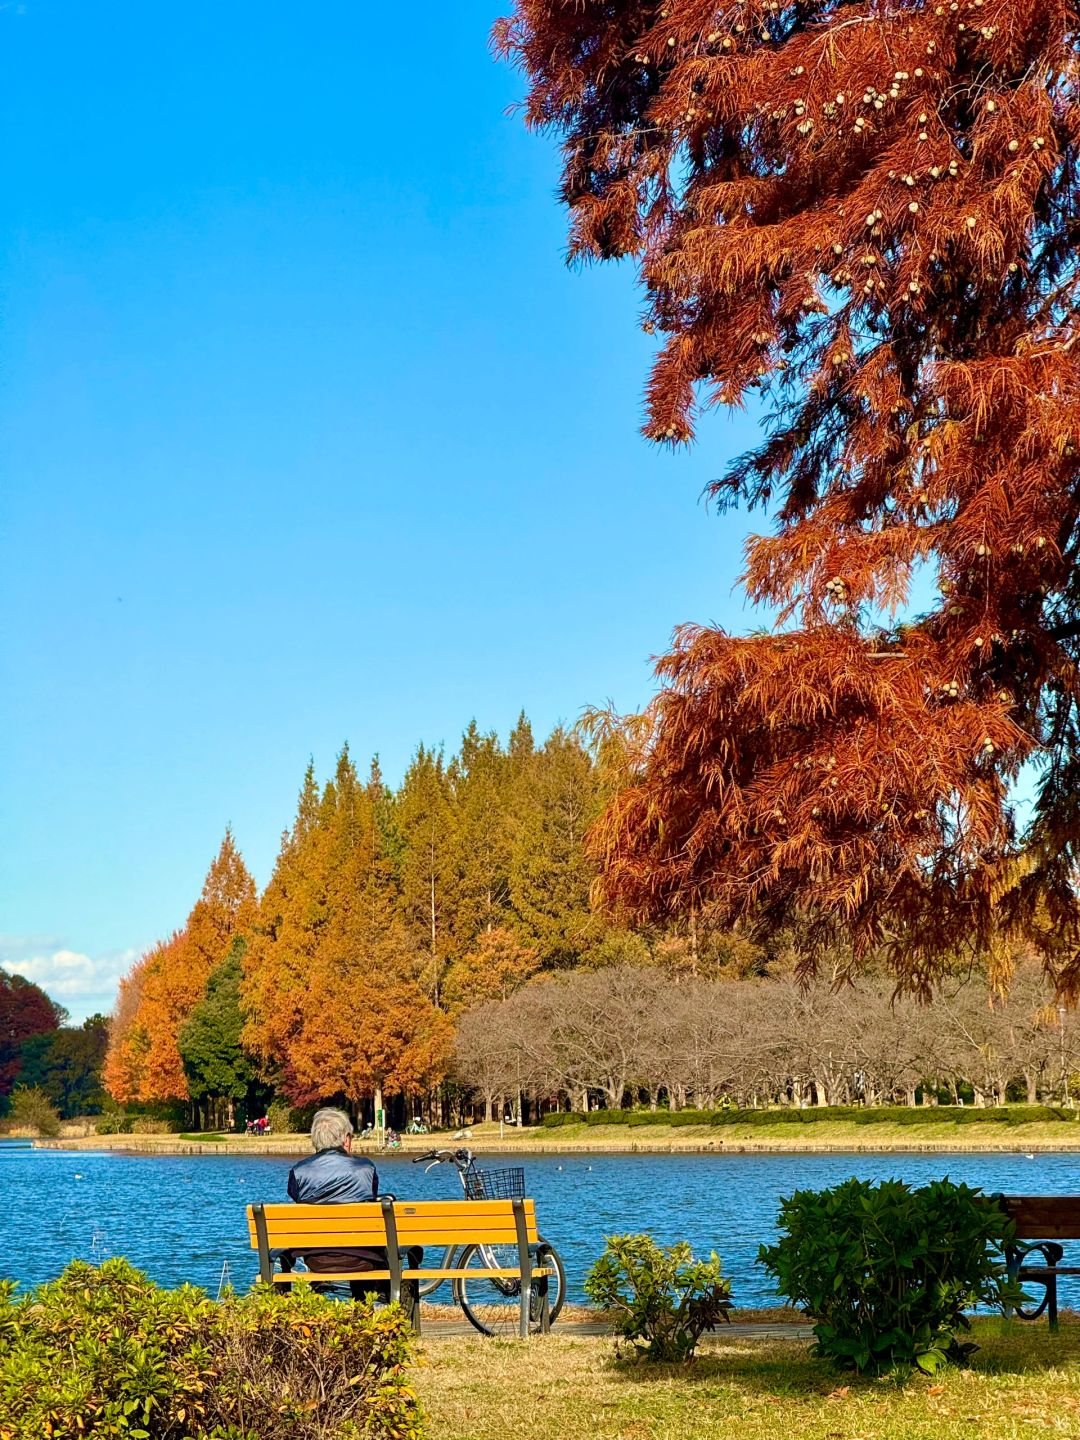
{"points": [[181, 1217]]}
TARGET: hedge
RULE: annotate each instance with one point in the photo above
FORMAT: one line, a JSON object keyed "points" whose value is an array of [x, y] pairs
{"points": [[103, 1351], [871, 1115]]}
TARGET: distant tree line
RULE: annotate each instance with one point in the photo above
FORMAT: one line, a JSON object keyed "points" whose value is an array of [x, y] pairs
{"points": [[639, 1036]]}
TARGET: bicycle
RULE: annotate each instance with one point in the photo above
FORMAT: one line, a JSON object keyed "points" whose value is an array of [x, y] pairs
{"points": [[491, 1304]]}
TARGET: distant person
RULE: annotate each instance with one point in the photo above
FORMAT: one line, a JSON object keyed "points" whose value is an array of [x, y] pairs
{"points": [[335, 1176]]}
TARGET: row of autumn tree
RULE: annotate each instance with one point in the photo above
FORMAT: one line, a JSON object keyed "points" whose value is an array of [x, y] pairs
{"points": [[634, 1035], [39, 1049], [388, 914], [444, 931]]}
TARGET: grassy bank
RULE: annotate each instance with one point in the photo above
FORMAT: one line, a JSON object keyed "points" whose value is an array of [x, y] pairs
{"points": [[1022, 1382], [931, 1134]]}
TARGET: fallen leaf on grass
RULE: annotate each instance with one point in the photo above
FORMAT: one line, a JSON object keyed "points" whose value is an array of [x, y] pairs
{"points": [[839, 1392], [936, 1390]]}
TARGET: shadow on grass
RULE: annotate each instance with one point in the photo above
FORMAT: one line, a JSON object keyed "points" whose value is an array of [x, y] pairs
{"points": [[787, 1369]]}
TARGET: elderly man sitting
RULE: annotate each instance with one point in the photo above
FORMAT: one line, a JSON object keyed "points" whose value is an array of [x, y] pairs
{"points": [[335, 1176]]}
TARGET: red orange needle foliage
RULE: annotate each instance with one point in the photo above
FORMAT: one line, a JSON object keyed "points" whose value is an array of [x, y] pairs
{"points": [[158, 995], [867, 214]]}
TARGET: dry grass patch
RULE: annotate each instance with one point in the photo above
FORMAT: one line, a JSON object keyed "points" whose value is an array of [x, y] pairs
{"points": [[1023, 1382]]}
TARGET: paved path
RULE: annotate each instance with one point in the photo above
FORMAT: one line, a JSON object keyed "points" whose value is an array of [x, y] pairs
{"points": [[454, 1329]]}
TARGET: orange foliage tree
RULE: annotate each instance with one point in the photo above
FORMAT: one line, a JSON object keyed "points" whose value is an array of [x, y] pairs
{"points": [[330, 978], [496, 966], [366, 1033], [866, 214], [123, 1068], [143, 1062], [292, 913]]}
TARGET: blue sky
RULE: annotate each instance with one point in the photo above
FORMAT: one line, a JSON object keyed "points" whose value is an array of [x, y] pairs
{"points": [[308, 435]]}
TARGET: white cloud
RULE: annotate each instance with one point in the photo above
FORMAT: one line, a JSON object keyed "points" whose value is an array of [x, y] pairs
{"points": [[80, 982]]}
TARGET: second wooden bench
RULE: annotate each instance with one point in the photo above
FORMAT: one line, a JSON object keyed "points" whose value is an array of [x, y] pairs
{"points": [[1035, 1255]]}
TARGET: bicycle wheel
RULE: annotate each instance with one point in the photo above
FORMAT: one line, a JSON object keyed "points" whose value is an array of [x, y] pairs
{"points": [[493, 1305], [428, 1287], [556, 1282]]}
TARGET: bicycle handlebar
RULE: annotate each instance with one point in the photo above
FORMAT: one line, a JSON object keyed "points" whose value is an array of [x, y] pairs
{"points": [[442, 1157]]}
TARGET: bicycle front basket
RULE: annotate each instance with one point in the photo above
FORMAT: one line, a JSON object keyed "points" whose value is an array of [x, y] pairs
{"points": [[506, 1184]]}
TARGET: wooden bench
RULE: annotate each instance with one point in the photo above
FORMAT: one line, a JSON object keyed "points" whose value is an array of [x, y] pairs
{"points": [[1041, 1222], [401, 1226]]}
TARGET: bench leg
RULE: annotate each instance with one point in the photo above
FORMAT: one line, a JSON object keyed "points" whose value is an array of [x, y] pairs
{"points": [[1051, 1309], [1012, 1262], [543, 1284], [415, 1258]]}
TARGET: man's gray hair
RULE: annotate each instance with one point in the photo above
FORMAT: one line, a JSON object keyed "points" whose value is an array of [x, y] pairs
{"points": [[330, 1128]]}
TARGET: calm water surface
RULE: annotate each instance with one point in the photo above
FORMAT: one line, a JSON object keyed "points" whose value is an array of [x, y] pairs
{"points": [[180, 1217]]}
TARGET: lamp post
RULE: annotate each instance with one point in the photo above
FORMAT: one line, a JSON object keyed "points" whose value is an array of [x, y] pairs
{"points": [[1064, 1072]]}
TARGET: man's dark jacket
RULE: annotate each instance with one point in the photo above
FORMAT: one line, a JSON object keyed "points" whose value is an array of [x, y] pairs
{"points": [[331, 1177]]}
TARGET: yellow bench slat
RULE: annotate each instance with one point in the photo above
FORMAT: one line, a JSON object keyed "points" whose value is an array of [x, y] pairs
{"points": [[293, 1239], [371, 1224], [428, 1223], [426, 1208]]}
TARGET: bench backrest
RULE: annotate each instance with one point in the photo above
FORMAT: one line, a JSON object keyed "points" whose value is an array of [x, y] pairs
{"points": [[416, 1222], [1043, 1217]]}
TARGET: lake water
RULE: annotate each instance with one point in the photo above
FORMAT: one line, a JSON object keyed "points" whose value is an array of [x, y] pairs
{"points": [[180, 1217]]}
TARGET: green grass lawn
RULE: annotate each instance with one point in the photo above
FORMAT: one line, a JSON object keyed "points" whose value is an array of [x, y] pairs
{"points": [[1022, 1382], [827, 1133]]}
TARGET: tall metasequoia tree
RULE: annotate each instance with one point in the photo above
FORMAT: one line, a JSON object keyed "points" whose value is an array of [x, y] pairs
{"points": [[426, 822], [219, 1070], [482, 783], [370, 1031], [291, 919], [125, 1057], [144, 1061], [550, 875], [867, 214]]}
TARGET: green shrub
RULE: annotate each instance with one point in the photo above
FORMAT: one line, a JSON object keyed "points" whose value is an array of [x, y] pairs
{"points": [[105, 1352], [887, 1272], [32, 1110], [660, 1299], [114, 1120], [144, 1125], [285, 1120]]}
